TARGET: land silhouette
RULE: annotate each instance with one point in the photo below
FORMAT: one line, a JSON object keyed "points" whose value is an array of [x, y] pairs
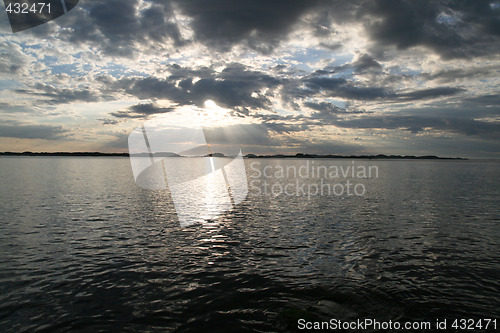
{"points": [[168, 154]]}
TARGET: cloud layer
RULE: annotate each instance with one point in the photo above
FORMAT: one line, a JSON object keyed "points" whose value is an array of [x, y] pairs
{"points": [[324, 76]]}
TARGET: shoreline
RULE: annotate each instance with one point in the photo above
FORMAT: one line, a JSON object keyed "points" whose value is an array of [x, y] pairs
{"points": [[248, 156]]}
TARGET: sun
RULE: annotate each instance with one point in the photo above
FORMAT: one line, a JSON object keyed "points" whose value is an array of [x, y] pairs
{"points": [[209, 104], [214, 115]]}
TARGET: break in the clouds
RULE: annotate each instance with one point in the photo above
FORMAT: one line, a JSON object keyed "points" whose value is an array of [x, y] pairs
{"points": [[357, 77]]}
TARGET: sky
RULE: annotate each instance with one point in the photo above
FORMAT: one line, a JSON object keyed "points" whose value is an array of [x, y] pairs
{"points": [[293, 76]]}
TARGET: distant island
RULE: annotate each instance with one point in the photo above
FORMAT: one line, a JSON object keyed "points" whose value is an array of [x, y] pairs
{"points": [[299, 155], [379, 156]]}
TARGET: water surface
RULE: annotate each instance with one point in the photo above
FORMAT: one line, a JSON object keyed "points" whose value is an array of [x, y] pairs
{"points": [[83, 248]]}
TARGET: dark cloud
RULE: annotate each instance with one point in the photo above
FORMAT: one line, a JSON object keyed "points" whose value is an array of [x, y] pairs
{"points": [[332, 47], [453, 119], [469, 73], [152, 88], [488, 104], [322, 83], [453, 29], [364, 63], [429, 93], [325, 107], [14, 108], [326, 113], [235, 86], [141, 111], [479, 107], [259, 24], [54, 95], [121, 28], [115, 18], [12, 61], [22, 131], [417, 124], [343, 88]]}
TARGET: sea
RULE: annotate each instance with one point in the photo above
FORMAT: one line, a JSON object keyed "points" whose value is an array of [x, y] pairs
{"points": [[83, 248]]}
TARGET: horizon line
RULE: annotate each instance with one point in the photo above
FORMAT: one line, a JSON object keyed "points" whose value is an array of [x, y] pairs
{"points": [[250, 155]]}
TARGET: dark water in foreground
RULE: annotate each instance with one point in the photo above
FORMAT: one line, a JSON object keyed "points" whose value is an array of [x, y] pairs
{"points": [[82, 248]]}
